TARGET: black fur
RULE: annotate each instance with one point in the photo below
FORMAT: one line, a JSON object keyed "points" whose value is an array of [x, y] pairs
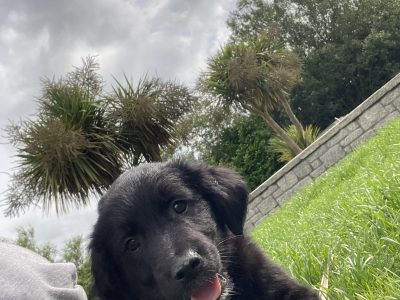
{"points": [[174, 253]]}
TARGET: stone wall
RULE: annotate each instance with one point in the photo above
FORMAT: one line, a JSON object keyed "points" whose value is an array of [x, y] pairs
{"points": [[333, 145]]}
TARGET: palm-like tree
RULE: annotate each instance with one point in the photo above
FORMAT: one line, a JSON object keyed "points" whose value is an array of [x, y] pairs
{"points": [[80, 140], [258, 76]]}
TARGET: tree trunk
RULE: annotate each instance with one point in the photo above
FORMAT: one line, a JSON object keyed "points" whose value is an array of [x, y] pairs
{"points": [[292, 117], [281, 133]]}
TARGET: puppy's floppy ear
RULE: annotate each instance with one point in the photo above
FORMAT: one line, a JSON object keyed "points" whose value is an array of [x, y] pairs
{"points": [[223, 188], [228, 198], [105, 280], [101, 280]]}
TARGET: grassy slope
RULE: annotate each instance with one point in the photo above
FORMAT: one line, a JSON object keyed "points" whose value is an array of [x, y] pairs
{"points": [[354, 212]]}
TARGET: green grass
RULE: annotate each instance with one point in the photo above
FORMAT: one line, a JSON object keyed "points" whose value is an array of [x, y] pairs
{"points": [[353, 213]]}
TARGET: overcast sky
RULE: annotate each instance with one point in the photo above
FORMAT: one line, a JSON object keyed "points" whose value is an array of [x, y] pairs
{"points": [[45, 38]]}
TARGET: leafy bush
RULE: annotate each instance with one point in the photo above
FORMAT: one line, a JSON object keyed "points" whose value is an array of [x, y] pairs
{"points": [[244, 147]]}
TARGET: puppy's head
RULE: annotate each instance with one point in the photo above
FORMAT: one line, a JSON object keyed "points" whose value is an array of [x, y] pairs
{"points": [[160, 230]]}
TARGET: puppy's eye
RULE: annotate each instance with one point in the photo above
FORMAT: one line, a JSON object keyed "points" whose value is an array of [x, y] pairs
{"points": [[132, 245], [179, 206]]}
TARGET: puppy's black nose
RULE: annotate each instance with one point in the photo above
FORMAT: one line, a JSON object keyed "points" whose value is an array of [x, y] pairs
{"points": [[187, 266]]}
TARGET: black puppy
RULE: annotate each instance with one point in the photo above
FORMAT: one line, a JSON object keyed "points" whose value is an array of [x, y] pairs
{"points": [[174, 231]]}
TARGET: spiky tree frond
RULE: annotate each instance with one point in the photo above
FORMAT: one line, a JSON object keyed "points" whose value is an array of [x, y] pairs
{"points": [[64, 154], [256, 74], [284, 152], [147, 116], [87, 77]]}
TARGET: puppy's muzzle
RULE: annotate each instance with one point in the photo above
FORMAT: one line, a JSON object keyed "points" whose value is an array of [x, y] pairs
{"points": [[186, 267]]}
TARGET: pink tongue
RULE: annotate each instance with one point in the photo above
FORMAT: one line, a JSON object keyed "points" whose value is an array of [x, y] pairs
{"points": [[211, 291]]}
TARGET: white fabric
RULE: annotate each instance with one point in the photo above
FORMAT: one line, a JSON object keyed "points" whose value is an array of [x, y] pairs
{"points": [[25, 275]]}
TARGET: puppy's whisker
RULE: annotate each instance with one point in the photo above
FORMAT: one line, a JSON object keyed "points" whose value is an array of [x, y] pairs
{"points": [[225, 240]]}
